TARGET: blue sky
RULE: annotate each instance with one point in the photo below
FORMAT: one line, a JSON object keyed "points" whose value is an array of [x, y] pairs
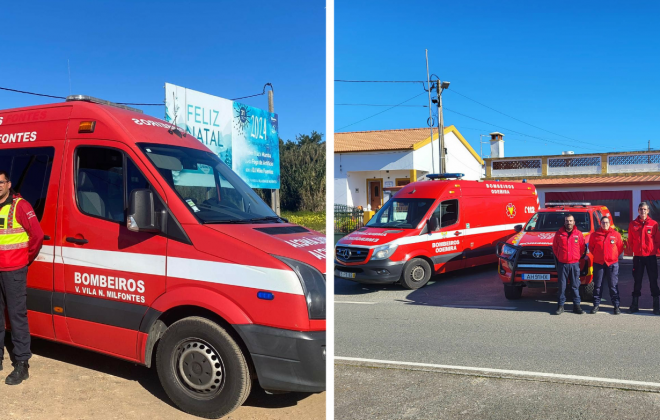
{"points": [[586, 71], [126, 51]]}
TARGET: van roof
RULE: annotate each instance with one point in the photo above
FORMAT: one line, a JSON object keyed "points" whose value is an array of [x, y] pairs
{"points": [[112, 122], [432, 189]]}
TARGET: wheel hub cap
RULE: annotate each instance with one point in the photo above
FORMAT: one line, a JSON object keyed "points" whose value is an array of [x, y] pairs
{"points": [[199, 367], [417, 273]]}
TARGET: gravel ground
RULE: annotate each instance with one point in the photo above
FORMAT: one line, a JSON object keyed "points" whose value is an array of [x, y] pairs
{"points": [[70, 383]]}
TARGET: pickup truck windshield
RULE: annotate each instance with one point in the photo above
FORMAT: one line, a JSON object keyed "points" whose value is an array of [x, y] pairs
{"points": [[552, 221], [208, 187], [402, 213]]}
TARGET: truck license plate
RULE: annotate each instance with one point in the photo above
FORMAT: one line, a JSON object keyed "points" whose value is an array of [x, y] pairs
{"points": [[346, 275], [536, 276]]}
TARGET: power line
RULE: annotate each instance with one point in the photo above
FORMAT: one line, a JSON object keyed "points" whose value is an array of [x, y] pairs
{"points": [[380, 81], [121, 103], [32, 93], [517, 119], [378, 113], [517, 132], [410, 106]]}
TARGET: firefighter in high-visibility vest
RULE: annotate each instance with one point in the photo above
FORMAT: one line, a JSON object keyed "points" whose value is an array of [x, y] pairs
{"points": [[21, 238]]}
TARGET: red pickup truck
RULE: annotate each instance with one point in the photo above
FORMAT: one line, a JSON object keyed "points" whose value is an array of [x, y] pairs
{"points": [[526, 259]]}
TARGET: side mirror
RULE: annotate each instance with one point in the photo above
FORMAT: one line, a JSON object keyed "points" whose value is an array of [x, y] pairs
{"points": [[517, 228], [141, 213], [433, 224]]}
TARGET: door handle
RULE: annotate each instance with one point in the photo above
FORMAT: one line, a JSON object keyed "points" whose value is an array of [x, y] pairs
{"points": [[76, 240], [46, 237]]}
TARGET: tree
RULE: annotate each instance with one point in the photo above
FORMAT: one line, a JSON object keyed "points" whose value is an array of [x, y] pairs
{"points": [[302, 173]]}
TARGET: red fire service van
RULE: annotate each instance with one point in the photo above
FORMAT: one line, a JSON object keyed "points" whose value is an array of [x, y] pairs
{"points": [[527, 260], [157, 253], [432, 227]]}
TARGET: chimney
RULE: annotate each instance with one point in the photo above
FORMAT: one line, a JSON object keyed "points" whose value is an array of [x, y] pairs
{"points": [[496, 145]]}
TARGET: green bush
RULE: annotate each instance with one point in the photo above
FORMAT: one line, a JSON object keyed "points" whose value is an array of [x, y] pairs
{"points": [[308, 219]]}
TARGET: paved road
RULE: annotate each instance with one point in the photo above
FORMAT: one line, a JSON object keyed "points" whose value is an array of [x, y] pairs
{"points": [[463, 319], [362, 393], [70, 383], [421, 326]]}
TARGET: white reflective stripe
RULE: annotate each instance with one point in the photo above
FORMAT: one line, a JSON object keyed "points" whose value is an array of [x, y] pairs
{"points": [[46, 254], [270, 279], [439, 236], [114, 260]]}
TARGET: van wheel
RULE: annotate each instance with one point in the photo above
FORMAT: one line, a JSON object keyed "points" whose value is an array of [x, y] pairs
{"points": [[416, 273], [512, 292], [202, 369], [587, 292]]}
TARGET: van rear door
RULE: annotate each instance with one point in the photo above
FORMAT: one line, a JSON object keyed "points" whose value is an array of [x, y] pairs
{"points": [[111, 274]]}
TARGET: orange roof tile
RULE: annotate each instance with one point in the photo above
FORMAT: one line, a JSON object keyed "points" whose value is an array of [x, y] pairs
{"points": [[362, 141], [593, 180]]}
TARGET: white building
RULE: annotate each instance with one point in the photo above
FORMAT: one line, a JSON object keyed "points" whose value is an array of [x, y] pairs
{"points": [[369, 165]]}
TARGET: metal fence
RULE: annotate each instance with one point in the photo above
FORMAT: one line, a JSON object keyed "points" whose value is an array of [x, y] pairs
{"points": [[348, 219]]}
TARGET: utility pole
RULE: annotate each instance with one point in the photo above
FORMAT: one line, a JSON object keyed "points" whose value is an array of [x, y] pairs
{"points": [[274, 194], [441, 126], [430, 120]]}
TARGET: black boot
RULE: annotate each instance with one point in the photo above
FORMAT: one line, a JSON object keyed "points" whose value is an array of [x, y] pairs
{"points": [[577, 310], [656, 305], [634, 306], [560, 310], [594, 310], [19, 374], [616, 310]]}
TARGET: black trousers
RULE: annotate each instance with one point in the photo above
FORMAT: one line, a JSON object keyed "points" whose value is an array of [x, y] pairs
{"points": [[610, 272], [13, 296], [651, 265]]}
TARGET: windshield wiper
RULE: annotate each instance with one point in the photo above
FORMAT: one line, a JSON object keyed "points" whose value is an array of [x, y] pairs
{"points": [[261, 219]]}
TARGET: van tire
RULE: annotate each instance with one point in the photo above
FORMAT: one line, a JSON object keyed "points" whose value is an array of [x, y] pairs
{"points": [[202, 342], [416, 273], [512, 292], [587, 292]]}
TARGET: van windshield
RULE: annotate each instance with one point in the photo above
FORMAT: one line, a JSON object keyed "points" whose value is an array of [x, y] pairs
{"points": [[552, 221], [404, 213], [208, 187]]}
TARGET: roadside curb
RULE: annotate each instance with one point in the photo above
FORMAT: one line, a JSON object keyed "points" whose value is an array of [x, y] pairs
{"points": [[504, 374]]}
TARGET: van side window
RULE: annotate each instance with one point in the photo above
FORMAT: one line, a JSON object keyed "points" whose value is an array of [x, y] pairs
{"points": [[596, 221], [100, 183], [29, 171], [447, 213]]}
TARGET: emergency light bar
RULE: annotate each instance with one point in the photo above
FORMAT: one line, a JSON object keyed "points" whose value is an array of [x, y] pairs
{"points": [[567, 204], [447, 176], [94, 100]]}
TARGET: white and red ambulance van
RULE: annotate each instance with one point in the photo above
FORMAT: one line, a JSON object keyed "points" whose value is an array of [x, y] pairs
{"points": [[157, 253], [432, 227]]}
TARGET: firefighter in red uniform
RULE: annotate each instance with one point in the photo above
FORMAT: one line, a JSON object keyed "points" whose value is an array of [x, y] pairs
{"points": [[606, 245], [21, 238], [568, 247], [643, 240]]}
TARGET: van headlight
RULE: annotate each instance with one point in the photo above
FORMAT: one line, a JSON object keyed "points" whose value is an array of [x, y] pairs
{"points": [[383, 252], [313, 284]]}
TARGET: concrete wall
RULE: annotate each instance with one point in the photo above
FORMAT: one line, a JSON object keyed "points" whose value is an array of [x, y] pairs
{"points": [[353, 169], [458, 158]]}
